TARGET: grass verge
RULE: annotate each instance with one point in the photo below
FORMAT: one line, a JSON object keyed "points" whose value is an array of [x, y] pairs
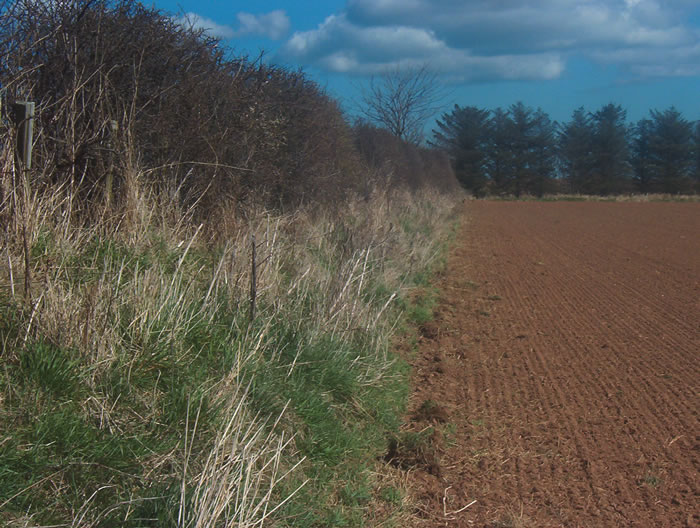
{"points": [[135, 389]]}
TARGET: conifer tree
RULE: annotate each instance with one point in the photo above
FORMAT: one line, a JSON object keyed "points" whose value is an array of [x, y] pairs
{"points": [[641, 159], [463, 134], [499, 152], [532, 147], [575, 150], [671, 151], [610, 152]]}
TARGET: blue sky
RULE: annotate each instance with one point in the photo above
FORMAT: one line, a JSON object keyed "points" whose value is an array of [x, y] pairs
{"points": [[553, 54]]}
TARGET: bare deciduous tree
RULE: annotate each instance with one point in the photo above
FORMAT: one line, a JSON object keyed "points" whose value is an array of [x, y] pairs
{"points": [[402, 100]]}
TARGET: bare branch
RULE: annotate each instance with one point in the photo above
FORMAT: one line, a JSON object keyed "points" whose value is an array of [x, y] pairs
{"points": [[402, 101]]}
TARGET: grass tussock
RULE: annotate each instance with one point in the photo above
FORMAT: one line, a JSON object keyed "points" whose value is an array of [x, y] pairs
{"points": [[135, 389]]}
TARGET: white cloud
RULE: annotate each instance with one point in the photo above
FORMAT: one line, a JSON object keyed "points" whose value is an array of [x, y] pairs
{"points": [[340, 46], [195, 21], [274, 25], [680, 61], [500, 39]]}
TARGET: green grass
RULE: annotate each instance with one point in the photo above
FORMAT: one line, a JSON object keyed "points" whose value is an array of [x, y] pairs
{"points": [[341, 422], [50, 368], [133, 383], [653, 479], [391, 495]]}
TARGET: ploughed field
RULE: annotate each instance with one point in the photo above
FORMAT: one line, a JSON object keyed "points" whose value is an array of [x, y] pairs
{"points": [[566, 354]]}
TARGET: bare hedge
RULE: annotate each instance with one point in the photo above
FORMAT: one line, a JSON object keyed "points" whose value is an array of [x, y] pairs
{"points": [[122, 88]]}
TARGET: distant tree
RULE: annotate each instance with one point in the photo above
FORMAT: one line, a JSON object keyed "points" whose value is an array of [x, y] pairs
{"points": [[520, 130], [641, 156], [402, 101], [543, 153], [463, 134], [610, 152], [499, 152], [671, 151], [696, 142], [532, 147], [575, 150]]}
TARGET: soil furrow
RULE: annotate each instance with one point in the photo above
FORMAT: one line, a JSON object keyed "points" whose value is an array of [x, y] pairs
{"points": [[571, 380], [681, 341]]}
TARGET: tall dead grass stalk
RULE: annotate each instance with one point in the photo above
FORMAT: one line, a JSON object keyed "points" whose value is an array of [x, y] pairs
{"points": [[125, 294]]}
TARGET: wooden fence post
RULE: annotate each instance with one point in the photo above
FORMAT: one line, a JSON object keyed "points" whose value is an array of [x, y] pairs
{"points": [[109, 183]]}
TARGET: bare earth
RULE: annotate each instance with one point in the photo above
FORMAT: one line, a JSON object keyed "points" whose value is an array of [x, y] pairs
{"points": [[566, 355]]}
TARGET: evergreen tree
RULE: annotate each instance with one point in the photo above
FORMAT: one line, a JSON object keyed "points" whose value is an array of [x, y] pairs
{"points": [[575, 150], [641, 156], [532, 147], [463, 134], [671, 151], [543, 153], [521, 131], [697, 157], [610, 152], [499, 152]]}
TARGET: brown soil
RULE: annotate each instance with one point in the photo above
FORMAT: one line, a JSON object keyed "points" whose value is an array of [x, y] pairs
{"points": [[563, 369]]}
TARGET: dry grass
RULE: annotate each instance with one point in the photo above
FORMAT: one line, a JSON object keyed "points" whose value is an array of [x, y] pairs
{"points": [[121, 302]]}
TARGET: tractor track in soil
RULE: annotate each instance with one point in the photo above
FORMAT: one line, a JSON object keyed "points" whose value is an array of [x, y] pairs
{"points": [[565, 351]]}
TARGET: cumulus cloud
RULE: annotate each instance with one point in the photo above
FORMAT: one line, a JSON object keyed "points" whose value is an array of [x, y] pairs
{"points": [[340, 46], [195, 21], [501, 39], [274, 25]]}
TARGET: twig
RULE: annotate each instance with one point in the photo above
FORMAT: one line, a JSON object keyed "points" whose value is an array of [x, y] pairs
{"points": [[12, 279], [677, 438], [463, 508], [253, 278], [31, 318], [444, 501], [27, 264], [199, 163], [29, 487], [444, 505]]}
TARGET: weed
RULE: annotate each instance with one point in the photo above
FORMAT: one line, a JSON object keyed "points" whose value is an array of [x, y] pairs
{"points": [[419, 309], [652, 479], [391, 495], [450, 434], [471, 285]]}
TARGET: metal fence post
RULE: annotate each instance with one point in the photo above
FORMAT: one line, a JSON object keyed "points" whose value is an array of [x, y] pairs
{"points": [[23, 115]]}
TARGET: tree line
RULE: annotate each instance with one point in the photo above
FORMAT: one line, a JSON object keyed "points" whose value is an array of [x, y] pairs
{"points": [[520, 150]]}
